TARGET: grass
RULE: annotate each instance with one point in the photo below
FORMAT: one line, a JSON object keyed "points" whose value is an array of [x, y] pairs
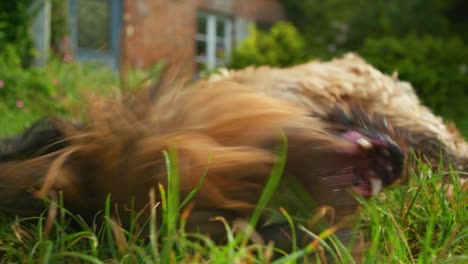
{"points": [[422, 221], [417, 222]]}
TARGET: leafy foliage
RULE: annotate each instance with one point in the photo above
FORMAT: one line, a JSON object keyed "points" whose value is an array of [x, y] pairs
{"points": [[437, 68], [333, 26], [281, 46], [15, 21], [24, 93], [58, 88]]}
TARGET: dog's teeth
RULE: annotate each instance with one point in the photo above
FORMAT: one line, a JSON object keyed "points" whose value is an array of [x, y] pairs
{"points": [[364, 143], [376, 186]]}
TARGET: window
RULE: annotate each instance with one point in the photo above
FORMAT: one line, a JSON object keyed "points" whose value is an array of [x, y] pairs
{"points": [[213, 41], [95, 27]]}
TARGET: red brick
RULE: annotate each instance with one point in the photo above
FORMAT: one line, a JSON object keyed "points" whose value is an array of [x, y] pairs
{"points": [[155, 30]]}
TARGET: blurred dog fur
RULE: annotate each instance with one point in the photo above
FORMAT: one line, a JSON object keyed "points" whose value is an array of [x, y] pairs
{"points": [[318, 86], [229, 125]]}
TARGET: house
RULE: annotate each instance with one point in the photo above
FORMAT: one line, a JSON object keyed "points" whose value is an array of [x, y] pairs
{"points": [[188, 34]]}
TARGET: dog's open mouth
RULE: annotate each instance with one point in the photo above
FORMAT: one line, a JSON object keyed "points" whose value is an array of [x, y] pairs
{"points": [[377, 161]]}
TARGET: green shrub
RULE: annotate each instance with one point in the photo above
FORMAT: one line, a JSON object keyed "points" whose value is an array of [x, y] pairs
{"points": [[437, 68], [28, 93], [58, 88], [281, 46], [335, 26], [15, 21], [13, 73], [23, 92]]}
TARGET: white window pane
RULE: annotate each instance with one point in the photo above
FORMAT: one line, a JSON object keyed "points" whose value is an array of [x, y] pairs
{"points": [[213, 40], [201, 37], [241, 28], [211, 43], [220, 28], [200, 59], [93, 24], [201, 48], [228, 40], [220, 51], [201, 24]]}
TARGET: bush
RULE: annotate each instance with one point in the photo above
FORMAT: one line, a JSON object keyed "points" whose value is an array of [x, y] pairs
{"points": [[15, 21], [281, 46], [16, 18], [20, 87], [335, 26], [437, 68], [28, 93], [58, 88]]}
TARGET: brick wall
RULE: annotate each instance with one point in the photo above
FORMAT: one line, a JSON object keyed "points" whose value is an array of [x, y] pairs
{"points": [[156, 30]]}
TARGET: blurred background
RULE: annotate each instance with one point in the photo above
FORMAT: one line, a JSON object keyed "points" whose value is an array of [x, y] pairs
{"points": [[53, 51]]}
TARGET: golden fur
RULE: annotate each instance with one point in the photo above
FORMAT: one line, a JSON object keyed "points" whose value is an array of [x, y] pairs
{"points": [[228, 126]]}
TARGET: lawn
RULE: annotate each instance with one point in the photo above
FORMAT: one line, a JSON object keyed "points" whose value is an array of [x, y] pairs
{"points": [[417, 222]]}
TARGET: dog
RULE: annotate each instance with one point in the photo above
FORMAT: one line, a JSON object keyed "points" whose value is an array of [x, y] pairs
{"points": [[348, 130]]}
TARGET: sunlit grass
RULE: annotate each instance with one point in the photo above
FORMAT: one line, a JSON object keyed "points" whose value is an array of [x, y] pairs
{"points": [[422, 221]]}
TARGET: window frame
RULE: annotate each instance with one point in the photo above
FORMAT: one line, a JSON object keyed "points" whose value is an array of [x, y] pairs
{"points": [[112, 56], [212, 40]]}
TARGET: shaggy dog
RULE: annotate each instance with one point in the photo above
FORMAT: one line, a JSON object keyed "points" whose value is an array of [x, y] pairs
{"points": [[348, 130], [319, 86]]}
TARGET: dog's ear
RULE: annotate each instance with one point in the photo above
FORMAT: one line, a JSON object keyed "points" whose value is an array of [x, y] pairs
{"points": [[43, 137]]}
